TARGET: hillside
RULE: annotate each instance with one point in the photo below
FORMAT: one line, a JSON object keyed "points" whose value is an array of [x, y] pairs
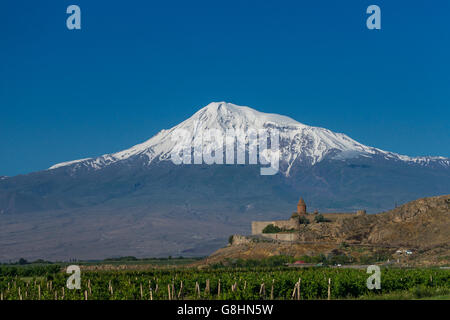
{"points": [[421, 226]]}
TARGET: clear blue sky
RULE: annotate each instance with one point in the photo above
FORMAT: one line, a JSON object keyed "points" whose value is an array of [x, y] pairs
{"points": [[137, 67]]}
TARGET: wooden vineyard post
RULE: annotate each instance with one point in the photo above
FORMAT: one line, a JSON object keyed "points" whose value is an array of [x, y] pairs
{"points": [[85, 295], [140, 289], [329, 288], [151, 294], [180, 293], [262, 291], [218, 290], [197, 289], [271, 290], [39, 292], [294, 291], [63, 293], [207, 289], [168, 291], [173, 291]]}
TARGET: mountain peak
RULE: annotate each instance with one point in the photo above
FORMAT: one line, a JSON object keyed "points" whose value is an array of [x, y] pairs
{"points": [[299, 143], [230, 115]]}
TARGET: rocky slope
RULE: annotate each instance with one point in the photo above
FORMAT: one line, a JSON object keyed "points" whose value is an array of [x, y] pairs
{"points": [[419, 224], [422, 226]]}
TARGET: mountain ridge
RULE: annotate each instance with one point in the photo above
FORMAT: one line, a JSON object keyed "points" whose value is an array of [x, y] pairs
{"points": [[124, 204], [297, 140]]}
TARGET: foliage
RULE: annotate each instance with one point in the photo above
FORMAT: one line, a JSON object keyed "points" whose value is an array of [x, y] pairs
{"points": [[125, 284], [343, 245], [22, 261], [339, 259], [303, 220], [418, 292], [271, 262], [270, 228], [321, 258], [320, 218], [375, 257], [127, 258], [28, 271]]}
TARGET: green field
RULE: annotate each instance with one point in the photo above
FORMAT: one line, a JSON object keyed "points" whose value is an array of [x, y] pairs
{"points": [[175, 262], [49, 283]]}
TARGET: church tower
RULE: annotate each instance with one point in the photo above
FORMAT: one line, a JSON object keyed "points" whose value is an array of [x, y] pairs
{"points": [[301, 207]]}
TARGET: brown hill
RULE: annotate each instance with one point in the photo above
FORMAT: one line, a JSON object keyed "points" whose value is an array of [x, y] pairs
{"points": [[421, 226]]}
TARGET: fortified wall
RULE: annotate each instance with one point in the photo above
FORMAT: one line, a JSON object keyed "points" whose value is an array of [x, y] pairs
{"points": [[290, 236], [289, 226]]}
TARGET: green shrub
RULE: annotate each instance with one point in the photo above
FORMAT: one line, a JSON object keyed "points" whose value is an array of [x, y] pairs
{"points": [[320, 218], [422, 291], [343, 245], [271, 229], [338, 259], [303, 220]]}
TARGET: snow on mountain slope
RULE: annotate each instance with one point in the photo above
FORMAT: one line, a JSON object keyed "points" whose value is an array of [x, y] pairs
{"points": [[68, 163], [298, 142]]}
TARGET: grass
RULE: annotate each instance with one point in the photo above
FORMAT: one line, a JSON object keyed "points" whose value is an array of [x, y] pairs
{"points": [[28, 279], [151, 261], [178, 261], [417, 293], [443, 297]]}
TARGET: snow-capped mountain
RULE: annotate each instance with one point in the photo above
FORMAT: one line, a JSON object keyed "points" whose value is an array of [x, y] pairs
{"points": [[138, 202], [299, 143]]}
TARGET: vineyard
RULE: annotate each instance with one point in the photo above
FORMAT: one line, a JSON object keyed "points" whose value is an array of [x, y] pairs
{"points": [[49, 283]]}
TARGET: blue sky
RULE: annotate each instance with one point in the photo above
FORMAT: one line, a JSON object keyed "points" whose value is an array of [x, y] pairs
{"points": [[137, 67]]}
